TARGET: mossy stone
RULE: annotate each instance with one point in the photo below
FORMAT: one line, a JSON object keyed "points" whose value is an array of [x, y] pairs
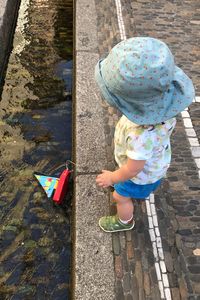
{"points": [[45, 242]]}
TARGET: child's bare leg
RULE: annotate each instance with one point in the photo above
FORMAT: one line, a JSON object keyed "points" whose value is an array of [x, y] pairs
{"points": [[125, 207]]}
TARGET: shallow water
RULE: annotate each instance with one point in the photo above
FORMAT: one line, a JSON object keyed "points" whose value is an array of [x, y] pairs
{"points": [[35, 136]]}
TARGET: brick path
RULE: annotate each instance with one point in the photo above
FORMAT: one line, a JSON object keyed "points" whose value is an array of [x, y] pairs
{"points": [[178, 200]]}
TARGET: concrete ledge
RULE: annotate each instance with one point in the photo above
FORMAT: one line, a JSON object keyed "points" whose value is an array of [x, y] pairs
{"points": [[93, 258], [89, 132], [93, 268], [86, 33], [8, 16]]}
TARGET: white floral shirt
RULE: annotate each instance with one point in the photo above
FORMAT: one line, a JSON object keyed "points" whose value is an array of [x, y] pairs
{"points": [[150, 143]]}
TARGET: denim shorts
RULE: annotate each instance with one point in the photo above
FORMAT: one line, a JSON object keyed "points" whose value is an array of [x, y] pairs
{"points": [[138, 191]]}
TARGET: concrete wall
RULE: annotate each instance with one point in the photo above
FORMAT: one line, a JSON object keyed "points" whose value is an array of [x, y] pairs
{"points": [[93, 272], [8, 17]]}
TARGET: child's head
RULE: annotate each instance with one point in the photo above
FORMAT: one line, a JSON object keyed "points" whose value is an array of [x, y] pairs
{"points": [[139, 77]]}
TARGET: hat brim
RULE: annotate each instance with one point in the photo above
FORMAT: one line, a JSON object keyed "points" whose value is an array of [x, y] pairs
{"points": [[179, 96]]}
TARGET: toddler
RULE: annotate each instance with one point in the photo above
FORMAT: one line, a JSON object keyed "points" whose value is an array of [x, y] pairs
{"points": [[140, 79]]}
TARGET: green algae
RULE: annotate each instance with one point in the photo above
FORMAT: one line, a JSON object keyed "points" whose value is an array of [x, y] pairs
{"points": [[30, 244]]}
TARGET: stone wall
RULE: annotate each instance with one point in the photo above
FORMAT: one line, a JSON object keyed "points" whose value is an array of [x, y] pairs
{"points": [[8, 17]]}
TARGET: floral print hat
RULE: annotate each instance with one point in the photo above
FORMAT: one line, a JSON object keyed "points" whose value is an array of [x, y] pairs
{"points": [[140, 78]]}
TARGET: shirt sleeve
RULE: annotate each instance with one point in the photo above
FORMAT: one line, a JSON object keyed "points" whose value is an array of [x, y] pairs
{"points": [[139, 145]]}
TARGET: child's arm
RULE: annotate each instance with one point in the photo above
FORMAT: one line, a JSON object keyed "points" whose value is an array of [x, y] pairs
{"points": [[127, 171]]}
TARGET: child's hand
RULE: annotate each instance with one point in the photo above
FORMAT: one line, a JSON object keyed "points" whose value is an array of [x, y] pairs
{"points": [[104, 179]]}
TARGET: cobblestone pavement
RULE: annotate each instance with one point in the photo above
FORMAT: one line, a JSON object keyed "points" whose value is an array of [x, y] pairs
{"points": [[178, 200]]}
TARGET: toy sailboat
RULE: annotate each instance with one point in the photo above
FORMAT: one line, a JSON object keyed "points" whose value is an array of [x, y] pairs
{"points": [[59, 185]]}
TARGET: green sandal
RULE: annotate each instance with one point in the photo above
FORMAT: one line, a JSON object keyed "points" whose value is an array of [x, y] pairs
{"points": [[113, 224]]}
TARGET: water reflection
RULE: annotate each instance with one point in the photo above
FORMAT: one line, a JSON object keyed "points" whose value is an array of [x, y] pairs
{"points": [[35, 135]]}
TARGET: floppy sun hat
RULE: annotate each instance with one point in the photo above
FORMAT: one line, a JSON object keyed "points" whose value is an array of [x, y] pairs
{"points": [[140, 78]]}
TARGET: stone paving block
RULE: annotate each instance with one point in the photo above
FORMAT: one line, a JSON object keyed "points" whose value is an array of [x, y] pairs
{"points": [[94, 274], [126, 283], [175, 294], [147, 286], [118, 267], [128, 266], [130, 250], [119, 291], [129, 297], [135, 288], [183, 289], [116, 244], [122, 240]]}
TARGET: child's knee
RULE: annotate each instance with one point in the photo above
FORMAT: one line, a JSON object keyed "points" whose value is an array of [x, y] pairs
{"points": [[120, 199]]}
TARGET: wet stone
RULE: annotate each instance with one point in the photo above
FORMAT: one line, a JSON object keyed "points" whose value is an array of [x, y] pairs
{"points": [[29, 256], [36, 234], [8, 236], [62, 294], [14, 278], [43, 269], [2, 203], [116, 244], [30, 244], [40, 292], [26, 290], [45, 242]]}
